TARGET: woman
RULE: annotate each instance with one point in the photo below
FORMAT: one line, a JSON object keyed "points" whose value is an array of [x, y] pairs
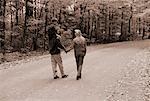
{"points": [[79, 45]]}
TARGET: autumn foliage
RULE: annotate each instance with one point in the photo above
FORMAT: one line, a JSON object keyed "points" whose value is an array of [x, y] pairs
{"points": [[24, 23]]}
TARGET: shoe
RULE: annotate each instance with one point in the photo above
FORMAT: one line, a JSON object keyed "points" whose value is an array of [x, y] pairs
{"points": [[56, 77], [64, 76], [78, 77]]}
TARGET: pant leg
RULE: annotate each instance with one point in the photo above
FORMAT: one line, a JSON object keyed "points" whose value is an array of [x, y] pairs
{"points": [[54, 65], [77, 62], [81, 58], [60, 63]]}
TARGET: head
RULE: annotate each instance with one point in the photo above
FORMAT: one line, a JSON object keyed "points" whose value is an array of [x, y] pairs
{"points": [[52, 32], [54, 20], [78, 33]]}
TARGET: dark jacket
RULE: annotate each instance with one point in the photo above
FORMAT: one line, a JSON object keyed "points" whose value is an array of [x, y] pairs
{"points": [[54, 43]]}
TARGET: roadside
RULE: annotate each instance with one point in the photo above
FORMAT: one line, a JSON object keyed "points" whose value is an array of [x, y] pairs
{"points": [[15, 58], [135, 84]]}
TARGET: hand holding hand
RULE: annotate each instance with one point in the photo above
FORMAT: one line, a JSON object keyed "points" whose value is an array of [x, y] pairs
{"points": [[67, 51]]}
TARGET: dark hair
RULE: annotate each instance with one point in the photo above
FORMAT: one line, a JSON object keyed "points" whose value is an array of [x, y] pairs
{"points": [[52, 32]]}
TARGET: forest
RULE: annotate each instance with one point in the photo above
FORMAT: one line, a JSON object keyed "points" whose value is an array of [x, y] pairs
{"points": [[24, 23]]}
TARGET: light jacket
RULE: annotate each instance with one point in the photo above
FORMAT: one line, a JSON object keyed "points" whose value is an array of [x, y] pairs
{"points": [[79, 44]]}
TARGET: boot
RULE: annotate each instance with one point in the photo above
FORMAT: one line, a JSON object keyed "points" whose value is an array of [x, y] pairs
{"points": [[64, 76], [56, 77], [78, 77]]}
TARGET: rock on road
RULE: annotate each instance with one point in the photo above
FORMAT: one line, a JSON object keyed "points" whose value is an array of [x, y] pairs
{"points": [[103, 66]]}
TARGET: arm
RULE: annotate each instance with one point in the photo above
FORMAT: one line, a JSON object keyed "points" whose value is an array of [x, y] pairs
{"points": [[85, 45], [71, 47], [60, 45]]}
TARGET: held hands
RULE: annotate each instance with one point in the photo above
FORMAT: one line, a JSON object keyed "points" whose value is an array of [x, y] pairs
{"points": [[67, 51]]}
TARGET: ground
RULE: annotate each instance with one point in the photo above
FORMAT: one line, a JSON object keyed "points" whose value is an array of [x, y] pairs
{"points": [[105, 68]]}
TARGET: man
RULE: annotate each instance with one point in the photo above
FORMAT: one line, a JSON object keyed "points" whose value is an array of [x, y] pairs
{"points": [[54, 49], [79, 45]]}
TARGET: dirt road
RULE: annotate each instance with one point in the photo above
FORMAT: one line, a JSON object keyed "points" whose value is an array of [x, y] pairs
{"points": [[103, 66]]}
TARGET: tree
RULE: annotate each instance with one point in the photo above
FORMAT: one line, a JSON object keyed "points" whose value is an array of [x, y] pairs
{"points": [[2, 28], [99, 21], [17, 8]]}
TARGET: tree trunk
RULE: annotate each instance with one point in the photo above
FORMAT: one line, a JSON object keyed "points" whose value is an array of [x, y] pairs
{"points": [[89, 24], [25, 25], [3, 32], [59, 21], [35, 31], [17, 8], [130, 25], [53, 10], [139, 26], [120, 37], [130, 20], [46, 18], [11, 23], [109, 24]]}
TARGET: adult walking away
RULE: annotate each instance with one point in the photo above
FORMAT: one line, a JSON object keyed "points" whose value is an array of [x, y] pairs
{"points": [[54, 49], [79, 45]]}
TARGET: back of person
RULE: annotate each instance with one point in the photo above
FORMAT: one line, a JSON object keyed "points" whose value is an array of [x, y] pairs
{"points": [[80, 46], [53, 46], [54, 49], [54, 42]]}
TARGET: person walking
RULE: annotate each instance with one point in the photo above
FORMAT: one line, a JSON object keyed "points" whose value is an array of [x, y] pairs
{"points": [[79, 45], [54, 49]]}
